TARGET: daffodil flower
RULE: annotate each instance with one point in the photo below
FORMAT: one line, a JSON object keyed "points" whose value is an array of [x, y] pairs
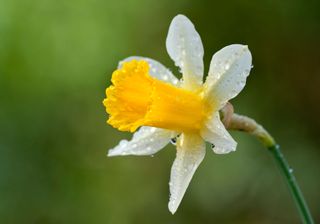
{"points": [[146, 95]]}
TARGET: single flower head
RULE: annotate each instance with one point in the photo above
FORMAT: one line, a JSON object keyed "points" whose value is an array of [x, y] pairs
{"points": [[146, 95]]}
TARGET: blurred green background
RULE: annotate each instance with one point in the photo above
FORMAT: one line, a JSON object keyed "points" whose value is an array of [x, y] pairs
{"points": [[56, 58]]}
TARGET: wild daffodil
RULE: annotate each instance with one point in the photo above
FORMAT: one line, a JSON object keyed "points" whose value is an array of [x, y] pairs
{"points": [[146, 95]]}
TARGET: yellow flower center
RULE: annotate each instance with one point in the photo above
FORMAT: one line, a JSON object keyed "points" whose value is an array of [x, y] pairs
{"points": [[136, 99]]}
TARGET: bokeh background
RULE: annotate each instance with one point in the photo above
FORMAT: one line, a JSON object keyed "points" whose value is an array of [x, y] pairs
{"points": [[56, 58]]}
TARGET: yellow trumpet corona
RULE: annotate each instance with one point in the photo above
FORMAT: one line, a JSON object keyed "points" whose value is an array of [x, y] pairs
{"points": [[136, 99]]}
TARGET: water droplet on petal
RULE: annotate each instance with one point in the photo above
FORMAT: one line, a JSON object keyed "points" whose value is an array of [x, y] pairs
{"points": [[173, 141]]}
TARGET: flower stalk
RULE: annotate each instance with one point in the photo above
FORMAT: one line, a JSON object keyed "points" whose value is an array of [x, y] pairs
{"points": [[242, 123]]}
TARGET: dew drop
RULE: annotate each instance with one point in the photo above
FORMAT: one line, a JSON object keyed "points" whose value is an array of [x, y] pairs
{"points": [[173, 141]]}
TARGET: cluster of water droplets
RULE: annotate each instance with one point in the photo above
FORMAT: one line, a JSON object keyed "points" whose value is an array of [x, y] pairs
{"points": [[220, 139], [146, 141], [182, 172], [184, 46], [228, 70], [160, 72]]}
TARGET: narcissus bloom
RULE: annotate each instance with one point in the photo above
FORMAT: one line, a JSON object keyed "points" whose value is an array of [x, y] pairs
{"points": [[146, 95]]}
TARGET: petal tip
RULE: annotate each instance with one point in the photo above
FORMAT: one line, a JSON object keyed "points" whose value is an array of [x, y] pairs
{"points": [[180, 16], [112, 153], [172, 207], [109, 154]]}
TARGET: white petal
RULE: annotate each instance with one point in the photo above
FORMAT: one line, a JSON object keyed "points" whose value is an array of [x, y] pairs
{"points": [[157, 70], [185, 48], [228, 71], [215, 133], [146, 141], [190, 153]]}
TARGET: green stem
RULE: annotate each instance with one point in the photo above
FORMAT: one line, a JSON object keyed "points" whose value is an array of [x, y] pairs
{"points": [[292, 183], [242, 123]]}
